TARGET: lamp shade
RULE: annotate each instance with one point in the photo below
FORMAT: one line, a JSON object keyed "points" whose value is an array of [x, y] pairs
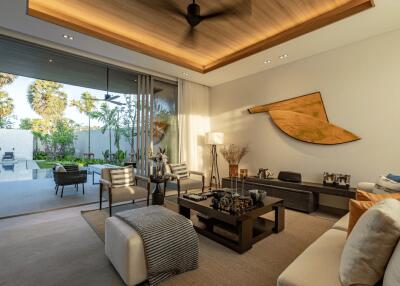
{"points": [[215, 138]]}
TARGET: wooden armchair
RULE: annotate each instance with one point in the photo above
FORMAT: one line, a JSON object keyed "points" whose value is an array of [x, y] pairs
{"points": [[182, 179], [122, 185]]}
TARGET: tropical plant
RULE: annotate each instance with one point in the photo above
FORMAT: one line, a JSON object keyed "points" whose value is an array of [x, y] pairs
{"points": [[25, 124], [106, 155], [40, 155], [128, 118], [6, 109], [41, 129], [47, 100], [85, 105], [120, 156], [107, 116], [117, 130], [62, 138], [6, 78]]}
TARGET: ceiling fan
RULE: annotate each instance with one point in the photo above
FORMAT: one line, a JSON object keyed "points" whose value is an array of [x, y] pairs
{"points": [[193, 13], [108, 97]]}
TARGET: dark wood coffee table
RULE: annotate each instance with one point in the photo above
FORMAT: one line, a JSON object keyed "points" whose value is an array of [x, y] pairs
{"points": [[238, 232]]}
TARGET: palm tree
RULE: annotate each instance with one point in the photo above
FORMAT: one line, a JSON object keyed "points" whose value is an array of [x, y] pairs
{"points": [[6, 108], [47, 100], [6, 78], [107, 116], [85, 105]]}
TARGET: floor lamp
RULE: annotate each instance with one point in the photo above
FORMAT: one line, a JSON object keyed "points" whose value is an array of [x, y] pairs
{"points": [[214, 139]]}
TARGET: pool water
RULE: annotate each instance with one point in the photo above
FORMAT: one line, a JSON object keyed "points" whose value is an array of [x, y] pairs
{"points": [[22, 170]]}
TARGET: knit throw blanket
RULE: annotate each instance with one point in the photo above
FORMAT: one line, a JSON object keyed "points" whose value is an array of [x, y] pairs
{"points": [[170, 242]]}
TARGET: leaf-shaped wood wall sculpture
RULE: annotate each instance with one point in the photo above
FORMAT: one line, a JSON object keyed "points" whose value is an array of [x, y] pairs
{"points": [[304, 118]]}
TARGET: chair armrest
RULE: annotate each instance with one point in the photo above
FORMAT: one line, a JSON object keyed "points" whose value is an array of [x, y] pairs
{"points": [[197, 173], [143, 178], [105, 182], [172, 176], [146, 179]]}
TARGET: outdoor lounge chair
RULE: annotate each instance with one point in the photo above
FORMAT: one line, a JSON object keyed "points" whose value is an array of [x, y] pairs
{"points": [[69, 175], [8, 156]]}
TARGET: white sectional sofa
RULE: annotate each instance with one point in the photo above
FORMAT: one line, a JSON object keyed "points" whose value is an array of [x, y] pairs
{"points": [[319, 263]]}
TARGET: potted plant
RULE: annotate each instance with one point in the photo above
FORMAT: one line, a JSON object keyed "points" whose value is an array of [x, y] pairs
{"points": [[233, 154]]}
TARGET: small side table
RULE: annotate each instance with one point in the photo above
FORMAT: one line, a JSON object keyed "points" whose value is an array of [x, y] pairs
{"points": [[157, 196]]}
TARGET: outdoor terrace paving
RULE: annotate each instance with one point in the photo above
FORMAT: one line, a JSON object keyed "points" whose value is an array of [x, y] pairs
{"points": [[27, 196]]}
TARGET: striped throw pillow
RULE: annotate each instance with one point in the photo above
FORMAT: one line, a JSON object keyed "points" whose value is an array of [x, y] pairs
{"points": [[122, 177], [180, 170]]}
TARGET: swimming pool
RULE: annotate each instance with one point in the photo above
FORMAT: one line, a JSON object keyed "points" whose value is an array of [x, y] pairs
{"points": [[22, 170]]}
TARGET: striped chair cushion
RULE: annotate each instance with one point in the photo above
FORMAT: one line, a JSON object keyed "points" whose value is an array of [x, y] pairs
{"points": [[180, 170], [122, 177]]}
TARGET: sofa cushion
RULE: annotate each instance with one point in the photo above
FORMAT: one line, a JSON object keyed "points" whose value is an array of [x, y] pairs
{"points": [[366, 186], [343, 223], [60, 168], [123, 194], [387, 184], [318, 264], [392, 273], [392, 177], [370, 245], [356, 210], [366, 196]]}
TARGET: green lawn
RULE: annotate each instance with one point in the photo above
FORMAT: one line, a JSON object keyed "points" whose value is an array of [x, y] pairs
{"points": [[50, 164]]}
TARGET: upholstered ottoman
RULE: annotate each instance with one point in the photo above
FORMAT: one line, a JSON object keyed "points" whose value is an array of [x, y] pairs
{"points": [[124, 247]]}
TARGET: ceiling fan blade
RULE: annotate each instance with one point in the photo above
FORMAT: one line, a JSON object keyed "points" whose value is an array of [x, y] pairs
{"points": [[115, 102], [190, 38], [98, 99], [240, 8], [112, 97], [167, 5]]}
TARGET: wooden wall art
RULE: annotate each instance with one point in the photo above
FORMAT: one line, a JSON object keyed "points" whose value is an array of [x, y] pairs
{"points": [[304, 118]]}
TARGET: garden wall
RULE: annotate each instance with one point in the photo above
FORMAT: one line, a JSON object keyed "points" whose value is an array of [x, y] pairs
{"points": [[20, 140], [99, 143]]}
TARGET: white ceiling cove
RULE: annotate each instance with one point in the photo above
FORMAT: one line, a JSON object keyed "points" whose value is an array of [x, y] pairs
{"points": [[380, 19]]}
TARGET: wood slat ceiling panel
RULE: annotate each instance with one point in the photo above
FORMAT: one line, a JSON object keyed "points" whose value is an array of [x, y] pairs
{"points": [[154, 31]]}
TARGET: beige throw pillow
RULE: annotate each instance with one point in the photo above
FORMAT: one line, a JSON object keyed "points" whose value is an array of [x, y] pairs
{"points": [[370, 244], [392, 273]]}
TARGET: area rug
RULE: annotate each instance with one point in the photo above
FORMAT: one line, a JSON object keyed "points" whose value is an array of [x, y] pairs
{"points": [[219, 265]]}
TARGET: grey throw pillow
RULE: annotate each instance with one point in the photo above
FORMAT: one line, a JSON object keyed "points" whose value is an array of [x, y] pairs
{"points": [[370, 244]]}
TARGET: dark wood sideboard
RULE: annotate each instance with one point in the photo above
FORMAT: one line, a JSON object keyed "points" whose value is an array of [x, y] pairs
{"points": [[302, 196]]}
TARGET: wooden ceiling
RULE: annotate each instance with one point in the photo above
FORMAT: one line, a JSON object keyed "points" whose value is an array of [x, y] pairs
{"points": [[153, 31]]}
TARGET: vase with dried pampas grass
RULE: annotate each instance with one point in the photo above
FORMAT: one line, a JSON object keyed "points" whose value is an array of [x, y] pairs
{"points": [[233, 154]]}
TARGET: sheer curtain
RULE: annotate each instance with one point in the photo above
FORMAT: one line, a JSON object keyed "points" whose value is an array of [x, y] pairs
{"points": [[144, 122], [194, 123]]}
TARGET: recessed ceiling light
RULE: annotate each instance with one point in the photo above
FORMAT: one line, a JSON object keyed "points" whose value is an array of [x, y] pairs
{"points": [[267, 61], [283, 56], [185, 74], [51, 61], [68, 37]]}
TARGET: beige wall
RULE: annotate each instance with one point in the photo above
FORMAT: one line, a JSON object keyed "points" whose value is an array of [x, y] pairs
{"points": [[360, 85]]}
